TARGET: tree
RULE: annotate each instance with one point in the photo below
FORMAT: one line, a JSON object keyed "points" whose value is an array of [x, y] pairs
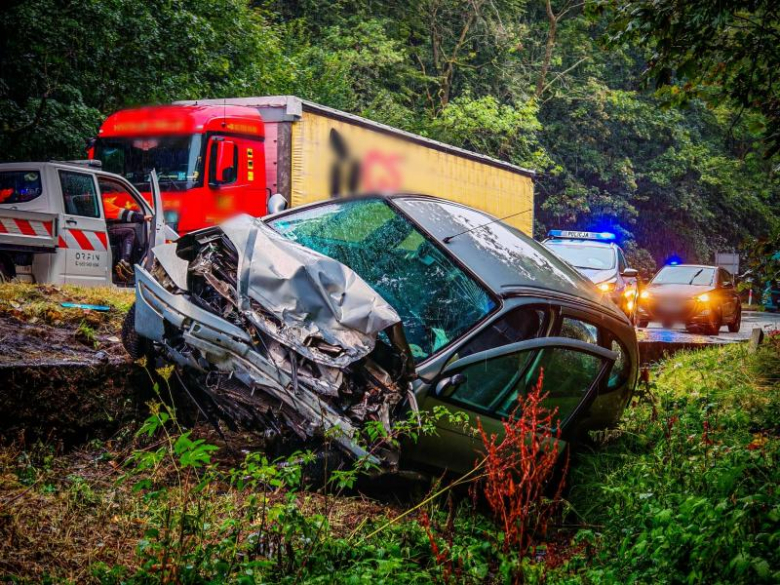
{"points": [[64, 65], [727, 50]]}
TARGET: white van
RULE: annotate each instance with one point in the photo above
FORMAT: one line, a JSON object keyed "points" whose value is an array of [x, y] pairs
{"points": [[53, 225]]}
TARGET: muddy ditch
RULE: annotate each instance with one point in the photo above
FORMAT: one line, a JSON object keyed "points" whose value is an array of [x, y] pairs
{"points": [[56, 385]]}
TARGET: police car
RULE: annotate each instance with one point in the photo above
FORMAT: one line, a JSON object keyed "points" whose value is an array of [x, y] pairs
{"points": [[599, 258]]}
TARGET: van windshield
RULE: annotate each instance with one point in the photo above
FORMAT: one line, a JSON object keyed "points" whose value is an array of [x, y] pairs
{"points": [[178, 160]]}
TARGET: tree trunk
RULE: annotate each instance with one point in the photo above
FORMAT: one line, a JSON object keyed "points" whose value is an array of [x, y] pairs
{"points": [[548, 49]]}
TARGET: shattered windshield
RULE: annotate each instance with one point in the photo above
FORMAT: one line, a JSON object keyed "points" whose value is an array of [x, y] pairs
{"points": [[177, 160], [436, 300]]}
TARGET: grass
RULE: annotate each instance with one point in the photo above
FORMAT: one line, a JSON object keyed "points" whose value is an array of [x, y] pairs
{"points": [[689, 489], [686, 490], [42, 304]]}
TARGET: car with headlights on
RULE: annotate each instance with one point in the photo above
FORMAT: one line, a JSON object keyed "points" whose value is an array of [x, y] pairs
{"points": [[600, 259], [369, 308], [703, 298]]}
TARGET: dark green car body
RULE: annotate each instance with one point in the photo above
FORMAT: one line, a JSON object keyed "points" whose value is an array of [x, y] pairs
{"points": [[486, 310]]}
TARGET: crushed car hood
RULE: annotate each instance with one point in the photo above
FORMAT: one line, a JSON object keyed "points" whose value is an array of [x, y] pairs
{"points": [[269, 335], [322, 308]]}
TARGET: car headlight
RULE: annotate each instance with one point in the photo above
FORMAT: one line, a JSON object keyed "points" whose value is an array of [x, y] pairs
{"points": [[645, 294], [704, 298], [606, 286]]}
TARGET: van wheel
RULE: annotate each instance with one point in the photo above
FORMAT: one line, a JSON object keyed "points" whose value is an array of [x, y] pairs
{"points": [[135, 345]]}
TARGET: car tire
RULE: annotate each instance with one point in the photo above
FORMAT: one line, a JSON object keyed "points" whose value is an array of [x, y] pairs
{"points": [[135, 345], [735, 325], [713, 327], [642, 323]]}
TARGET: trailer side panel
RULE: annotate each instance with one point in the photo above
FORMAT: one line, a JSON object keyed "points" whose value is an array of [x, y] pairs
{"points": [[333, 157]]}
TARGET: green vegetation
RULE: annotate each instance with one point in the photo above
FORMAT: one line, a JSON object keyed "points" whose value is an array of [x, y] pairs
{"points": [[556, 85], [32, 304], [686, 490]]}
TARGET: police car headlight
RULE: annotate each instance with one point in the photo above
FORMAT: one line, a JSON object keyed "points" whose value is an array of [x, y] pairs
{"points": [[645, 294], [606, 286]]}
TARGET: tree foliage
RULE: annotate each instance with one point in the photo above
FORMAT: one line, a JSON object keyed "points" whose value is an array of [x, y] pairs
{"points": [[527, 81]]}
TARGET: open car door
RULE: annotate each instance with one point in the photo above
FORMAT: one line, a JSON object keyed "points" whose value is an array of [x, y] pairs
{"points": [[161, 233], [486, 386]]}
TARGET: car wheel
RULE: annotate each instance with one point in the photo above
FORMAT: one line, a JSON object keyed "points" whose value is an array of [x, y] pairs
{"points": [[713, 327], [737, 323], [642, 323], [135, 345]]}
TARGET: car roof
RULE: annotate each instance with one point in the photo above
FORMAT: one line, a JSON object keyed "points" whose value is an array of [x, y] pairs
{"points": [[535, 268]]}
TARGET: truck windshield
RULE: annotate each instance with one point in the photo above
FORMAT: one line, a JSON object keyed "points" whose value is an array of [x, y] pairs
{"points": [[178, 160], [436, 300]]}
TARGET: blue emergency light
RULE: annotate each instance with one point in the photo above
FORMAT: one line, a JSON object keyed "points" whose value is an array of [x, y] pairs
{"points": [[674, 261], [576, 235]]}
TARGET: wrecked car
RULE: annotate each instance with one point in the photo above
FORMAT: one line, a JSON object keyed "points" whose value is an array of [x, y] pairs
{"points": [[317, 320]]}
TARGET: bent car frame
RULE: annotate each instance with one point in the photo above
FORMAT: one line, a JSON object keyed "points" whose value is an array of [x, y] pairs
{"points": [[330, 315]]}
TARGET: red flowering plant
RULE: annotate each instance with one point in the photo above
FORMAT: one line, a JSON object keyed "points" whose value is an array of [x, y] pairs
{"points": [[519, 468]]}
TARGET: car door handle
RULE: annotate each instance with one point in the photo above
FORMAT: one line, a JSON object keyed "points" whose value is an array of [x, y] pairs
{"points": [[71, 221]]}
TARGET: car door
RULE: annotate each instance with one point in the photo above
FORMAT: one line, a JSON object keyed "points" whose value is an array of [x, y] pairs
{"points": [[83, 231], [485, 386]]}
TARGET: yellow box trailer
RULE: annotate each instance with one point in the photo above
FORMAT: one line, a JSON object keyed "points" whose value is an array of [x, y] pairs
{"points": [[314, 152]]}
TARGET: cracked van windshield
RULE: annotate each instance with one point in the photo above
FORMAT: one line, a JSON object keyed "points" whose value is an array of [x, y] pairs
{"points": [[436, 300], [177, 160]]}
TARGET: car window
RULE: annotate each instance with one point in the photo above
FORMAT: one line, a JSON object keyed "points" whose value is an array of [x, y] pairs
{"points": [[516, 325], [695, 275], [114, 194], [493, 385], [577, 329], [587, 256], [620, 368], [437, 301], [622, 265], [19, 186], [79, 194]]}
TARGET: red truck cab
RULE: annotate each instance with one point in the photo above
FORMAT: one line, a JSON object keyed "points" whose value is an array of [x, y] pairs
{"points": [[210, 159]]}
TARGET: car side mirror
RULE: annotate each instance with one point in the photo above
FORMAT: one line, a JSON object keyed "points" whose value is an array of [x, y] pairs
{"points": [[446, 386], [630, 273], [276, 203]]}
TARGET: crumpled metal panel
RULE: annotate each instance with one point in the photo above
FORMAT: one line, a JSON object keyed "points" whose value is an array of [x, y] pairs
{"points": [[326, 311]]}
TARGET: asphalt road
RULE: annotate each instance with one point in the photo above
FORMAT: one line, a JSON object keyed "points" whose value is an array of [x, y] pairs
{"points": [[750, 321]]}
